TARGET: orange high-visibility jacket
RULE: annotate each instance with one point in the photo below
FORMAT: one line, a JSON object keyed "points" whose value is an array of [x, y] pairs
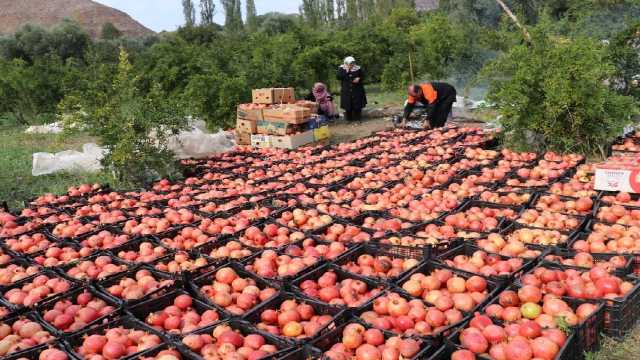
{"points": [[428, 92]]}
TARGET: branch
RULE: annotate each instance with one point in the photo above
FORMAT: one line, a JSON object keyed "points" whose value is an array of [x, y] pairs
{"points": [[506, 9]]}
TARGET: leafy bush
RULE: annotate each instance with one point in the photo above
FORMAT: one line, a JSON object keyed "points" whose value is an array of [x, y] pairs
{"points": [[134, 127], [556, 88]]}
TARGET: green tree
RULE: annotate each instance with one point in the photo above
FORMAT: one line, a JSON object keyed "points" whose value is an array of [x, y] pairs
{"points": [[189, 12], [555, 88], [207, 10], [624, 53], [233, 15], [110, 32], [310, 10], [134, 127], [252, 16]]}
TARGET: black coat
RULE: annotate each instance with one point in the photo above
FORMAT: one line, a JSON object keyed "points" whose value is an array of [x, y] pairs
{"points": [[352, 96]]}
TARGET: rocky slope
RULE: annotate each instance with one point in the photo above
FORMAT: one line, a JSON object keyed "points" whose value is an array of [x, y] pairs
{"points": [[47, 13]]}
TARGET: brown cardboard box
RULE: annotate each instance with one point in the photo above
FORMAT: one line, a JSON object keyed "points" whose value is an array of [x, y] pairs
{"points": [[273, 96], [311, 105], [277, 127], [243, 138], [292, 141], [250, 111], [246, 126], [292, 114]]}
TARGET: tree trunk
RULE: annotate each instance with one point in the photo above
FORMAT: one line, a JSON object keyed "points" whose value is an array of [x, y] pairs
{"points": [[513, 17]]}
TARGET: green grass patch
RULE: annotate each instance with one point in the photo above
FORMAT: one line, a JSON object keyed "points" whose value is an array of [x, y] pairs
{"points": [[16, 149]]}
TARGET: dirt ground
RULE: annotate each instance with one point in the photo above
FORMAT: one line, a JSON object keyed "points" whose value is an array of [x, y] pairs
{"points": [[343, 131]]}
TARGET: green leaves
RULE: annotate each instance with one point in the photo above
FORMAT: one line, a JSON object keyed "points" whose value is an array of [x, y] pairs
{"points": [[557, 88]]}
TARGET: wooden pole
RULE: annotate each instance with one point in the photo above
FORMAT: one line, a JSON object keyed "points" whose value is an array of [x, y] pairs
{"points": [[513, 17]]}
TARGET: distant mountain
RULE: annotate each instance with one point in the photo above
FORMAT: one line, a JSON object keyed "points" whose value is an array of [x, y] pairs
{"points": [[426, 5], [47, 13]]}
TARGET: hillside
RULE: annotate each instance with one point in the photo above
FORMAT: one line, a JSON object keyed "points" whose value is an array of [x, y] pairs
{"points": [[47, 13]]}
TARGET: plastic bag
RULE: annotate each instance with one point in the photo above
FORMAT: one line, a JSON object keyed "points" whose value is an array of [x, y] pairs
{"points": [[53, 128], [73, 161], [197, 144]]}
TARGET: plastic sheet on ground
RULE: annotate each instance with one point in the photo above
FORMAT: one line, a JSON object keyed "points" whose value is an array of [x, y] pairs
{"points": [[466, 103], [70, 160], [195, 143], [53, 128]]}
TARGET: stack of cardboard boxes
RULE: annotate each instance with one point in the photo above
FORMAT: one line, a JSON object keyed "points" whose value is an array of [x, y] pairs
{"points": [[275, 119]]}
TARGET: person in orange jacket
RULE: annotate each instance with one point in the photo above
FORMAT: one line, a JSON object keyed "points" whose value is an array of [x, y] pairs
{"points": [[437, 97]]}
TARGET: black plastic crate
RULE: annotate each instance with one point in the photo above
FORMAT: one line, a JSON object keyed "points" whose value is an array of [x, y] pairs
{"points": [[382, 250], [206, 249], [620, 314], [74, 341], [569, 351], [582, 223], [597, 258], [72, 296], [184, 273], [563, 242], [64, 270], [248, 264], [195, 286], [563, 198], [435, 338], [372, 285], [142, 310], [34, 352], [428, 267], [588, 333], [24, 264], [134, 246], [176, 349], [34, 349], [337, 315], [104, 285], [468, 249], [326, 341], [17, 285]]}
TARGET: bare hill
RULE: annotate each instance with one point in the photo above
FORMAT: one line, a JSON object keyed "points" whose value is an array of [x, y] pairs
{"points": [[47, 13]]}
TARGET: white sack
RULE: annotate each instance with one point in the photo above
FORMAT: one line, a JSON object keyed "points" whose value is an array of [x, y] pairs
{"points": [[73, 161], [198, 144], [53, 128]]}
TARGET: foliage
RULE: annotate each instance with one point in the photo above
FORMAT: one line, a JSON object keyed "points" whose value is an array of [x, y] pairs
{"points": [[555, 88], [207, 10], [189, 12], [134, 127], [625, 54], [110, 32]]}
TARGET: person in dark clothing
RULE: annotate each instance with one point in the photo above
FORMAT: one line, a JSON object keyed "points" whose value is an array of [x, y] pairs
{"points": [[437, 97], [352, 95]]}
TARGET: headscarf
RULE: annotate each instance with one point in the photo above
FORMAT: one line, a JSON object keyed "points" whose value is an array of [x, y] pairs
{"points": [[350, 60], [322, 98]]}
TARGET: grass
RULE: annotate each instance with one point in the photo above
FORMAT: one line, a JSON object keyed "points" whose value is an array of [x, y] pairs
{"points": [[16, 149], [628, 349]]}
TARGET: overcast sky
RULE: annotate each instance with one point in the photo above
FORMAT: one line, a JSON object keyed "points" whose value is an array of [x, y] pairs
{"points": [[161, 15]]}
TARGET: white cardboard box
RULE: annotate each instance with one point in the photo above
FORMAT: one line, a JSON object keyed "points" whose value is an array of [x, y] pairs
{"points": [[610, 178], [260, 141], [292, 141]]}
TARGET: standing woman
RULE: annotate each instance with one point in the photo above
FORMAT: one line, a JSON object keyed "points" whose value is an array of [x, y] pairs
{"points": [[352, 96]]}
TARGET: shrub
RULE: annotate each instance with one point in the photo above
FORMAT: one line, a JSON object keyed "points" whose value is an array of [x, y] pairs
{"points": [[558, 89]]}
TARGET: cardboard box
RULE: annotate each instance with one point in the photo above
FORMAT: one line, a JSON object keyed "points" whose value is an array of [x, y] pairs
{"points": [[321, 133], [277, 128], [292, 114], [246, 126], [610, 177], [250, 112], [292, 141], [243, 138], [274, 96], [260, 141], [311, 105]]}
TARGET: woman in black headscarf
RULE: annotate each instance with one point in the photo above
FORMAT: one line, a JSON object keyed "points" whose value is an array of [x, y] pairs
{"points": [[352, 96]]}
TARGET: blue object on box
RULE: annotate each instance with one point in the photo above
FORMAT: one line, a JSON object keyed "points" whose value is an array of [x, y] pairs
{"points": [[317, 121]]}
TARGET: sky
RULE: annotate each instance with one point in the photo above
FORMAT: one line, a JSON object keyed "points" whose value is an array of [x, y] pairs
{"points": [[159, 15]]}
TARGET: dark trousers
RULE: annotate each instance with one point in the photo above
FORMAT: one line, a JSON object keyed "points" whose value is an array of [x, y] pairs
{"points": [[353, 115], [443, 108]]}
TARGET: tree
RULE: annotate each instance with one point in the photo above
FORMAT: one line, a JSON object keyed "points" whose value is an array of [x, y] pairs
{"points": [[207, 10], [110, 32], [555, 88], [330, 11], [252, 16], [352, 15], [624, 52], [233, 15], [189, 11], [310, 10], [133, 126]]}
